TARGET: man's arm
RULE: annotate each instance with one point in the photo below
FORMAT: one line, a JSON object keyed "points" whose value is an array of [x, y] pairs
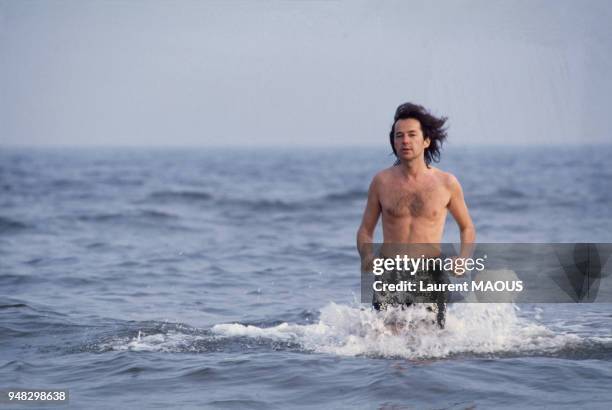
{"points": [[458, 209], [368, 224]]}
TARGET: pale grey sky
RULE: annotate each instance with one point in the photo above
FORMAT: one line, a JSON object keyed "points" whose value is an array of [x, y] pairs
{"points": [[302, 72]]}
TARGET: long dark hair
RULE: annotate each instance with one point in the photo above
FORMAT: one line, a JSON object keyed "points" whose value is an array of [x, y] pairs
{"points": [[432, 127]]}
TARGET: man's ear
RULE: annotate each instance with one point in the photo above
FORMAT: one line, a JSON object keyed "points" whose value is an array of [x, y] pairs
{"points": [[427, 142]]}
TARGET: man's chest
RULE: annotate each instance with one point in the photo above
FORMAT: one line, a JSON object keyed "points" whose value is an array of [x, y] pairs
{"points": [[423, 201]]}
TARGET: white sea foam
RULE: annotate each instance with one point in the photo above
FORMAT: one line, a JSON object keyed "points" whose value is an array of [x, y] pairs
{"points": [[171, 341], [470, 328]]}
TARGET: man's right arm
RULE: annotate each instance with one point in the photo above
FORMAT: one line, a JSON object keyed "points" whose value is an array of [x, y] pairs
{"points": [[365, 233]]}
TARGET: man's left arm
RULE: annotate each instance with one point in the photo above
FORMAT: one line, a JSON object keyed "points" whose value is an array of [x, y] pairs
{"points": [[458, 209]]}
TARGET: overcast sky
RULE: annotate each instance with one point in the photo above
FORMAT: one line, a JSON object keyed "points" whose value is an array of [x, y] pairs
{"points": [[302, 72]]}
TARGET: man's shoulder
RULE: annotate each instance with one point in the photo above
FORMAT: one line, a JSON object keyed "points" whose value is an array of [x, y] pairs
{"points": [[383, 175], [448, 179]]}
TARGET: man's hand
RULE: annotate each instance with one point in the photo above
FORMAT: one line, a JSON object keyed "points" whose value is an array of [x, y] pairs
{"points": [[367, 262]]}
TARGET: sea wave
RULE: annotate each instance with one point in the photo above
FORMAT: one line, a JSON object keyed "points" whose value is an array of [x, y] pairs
{"points": [[489, 330], [257, 204], [142, 215], [180, 195], [481, 329], [345, 196], [8, 225]]}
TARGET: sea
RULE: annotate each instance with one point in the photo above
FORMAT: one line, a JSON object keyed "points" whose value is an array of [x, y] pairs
{"points": [[228, 278]]}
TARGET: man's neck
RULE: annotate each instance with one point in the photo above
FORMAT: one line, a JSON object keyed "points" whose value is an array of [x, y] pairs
{"points": [[412, 169]]}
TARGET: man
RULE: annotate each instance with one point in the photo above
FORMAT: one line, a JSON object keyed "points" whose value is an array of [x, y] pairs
{"points": [[413, 198]]}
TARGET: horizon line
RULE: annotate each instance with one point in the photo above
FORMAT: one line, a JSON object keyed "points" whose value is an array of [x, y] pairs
{"points": [[290, 145]]}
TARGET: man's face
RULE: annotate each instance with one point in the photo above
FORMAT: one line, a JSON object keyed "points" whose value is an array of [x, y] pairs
{"points": [[408, 139]]}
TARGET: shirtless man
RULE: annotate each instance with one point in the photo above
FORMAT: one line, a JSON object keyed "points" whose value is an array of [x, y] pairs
{"points": [[412, 196]]}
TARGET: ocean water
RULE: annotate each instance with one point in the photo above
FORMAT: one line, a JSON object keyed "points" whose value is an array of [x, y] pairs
{"points": [[228, 278]]}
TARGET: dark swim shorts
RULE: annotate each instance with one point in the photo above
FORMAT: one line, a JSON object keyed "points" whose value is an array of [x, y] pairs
{"points": [[435, 300]]}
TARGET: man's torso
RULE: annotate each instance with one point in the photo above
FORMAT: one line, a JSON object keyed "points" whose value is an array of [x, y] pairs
{"points": [[413, 211]]}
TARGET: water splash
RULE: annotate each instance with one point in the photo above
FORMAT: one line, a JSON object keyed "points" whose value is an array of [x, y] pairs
{"points": [[470, 328], [484, 329]]}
